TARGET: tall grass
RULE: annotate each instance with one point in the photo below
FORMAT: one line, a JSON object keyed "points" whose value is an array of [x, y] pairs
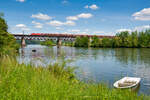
{"points": [[55, 82]]}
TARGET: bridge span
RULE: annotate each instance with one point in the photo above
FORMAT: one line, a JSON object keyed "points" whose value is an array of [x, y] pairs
{"points": [[56, 37]]}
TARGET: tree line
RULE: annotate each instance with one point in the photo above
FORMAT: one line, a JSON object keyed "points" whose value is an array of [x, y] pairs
{"points": [[120, 40]]}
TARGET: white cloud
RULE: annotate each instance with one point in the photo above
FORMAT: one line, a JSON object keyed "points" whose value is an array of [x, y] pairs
{"points": [[123, 30], [22, 27], [85, 15], [70, 23], [141, 28], [138, 28], [59, 23], [72, 18], [37, 25], [41, 16], [93, 7], [143, 15], [20, 0], [55, 23], [82, 15]]}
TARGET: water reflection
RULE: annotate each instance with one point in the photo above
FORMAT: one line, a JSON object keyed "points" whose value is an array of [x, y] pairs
{"points": [[96, 64], [132, 55]]}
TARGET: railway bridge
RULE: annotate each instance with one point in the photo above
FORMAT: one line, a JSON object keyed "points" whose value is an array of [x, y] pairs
{"points": [[52, 36]]}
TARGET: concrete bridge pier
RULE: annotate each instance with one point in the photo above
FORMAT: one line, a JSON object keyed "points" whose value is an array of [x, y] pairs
{"points": [[90, 41], [23, 42], [59, 42]]}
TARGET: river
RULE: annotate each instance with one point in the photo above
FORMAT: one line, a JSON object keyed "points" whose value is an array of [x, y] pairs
{"points": [[95, 64]]}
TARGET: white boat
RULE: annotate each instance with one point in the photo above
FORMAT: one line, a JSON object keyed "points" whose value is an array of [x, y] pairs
{"points": [[127, 82]]}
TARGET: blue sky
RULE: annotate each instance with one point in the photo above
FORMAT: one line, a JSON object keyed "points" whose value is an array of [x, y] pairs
{"points": [[101, 17]]}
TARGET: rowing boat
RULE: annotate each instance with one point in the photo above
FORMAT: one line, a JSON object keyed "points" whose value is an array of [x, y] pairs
{"points": [[127, 82]]}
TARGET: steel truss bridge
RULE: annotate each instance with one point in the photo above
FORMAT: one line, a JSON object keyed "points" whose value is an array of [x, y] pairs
{"points": [[51, 36]]}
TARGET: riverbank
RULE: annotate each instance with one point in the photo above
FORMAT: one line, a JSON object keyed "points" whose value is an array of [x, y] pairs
{"points": [[55, 82]]}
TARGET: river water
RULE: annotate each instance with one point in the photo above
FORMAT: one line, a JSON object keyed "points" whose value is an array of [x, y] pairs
{"points": [[95, 64]]}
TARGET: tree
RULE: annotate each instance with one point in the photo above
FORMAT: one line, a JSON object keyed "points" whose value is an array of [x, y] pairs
{"points": [[95, 41], [107, 42], [134, 39], [128, 41], [82, 42], [7, 41], [77, 42], [143, 39], [124, 37], [147, 32], [117, 42], [3, 25]]}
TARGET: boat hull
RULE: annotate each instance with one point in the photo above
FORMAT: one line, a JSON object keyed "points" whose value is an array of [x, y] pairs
{"points": [[135, 85]]}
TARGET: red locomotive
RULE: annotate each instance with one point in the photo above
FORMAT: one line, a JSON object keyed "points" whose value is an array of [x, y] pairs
{"points": [[35, 33]]}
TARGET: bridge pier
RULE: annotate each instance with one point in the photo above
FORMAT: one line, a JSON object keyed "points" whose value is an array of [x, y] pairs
{"points": [[59, 42], [90, 41], [23, 42]]}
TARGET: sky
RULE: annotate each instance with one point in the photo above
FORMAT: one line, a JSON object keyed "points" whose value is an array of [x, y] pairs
{"points": [[95, 17]]}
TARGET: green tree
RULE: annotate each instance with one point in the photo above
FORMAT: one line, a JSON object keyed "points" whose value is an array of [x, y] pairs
{"points": [[143, 39], [123, 36], [77, 42], [95, 41], [147, 32], [126, 39], [7, 41], [134, 39], [107, 42], [82, 42], [3, 25], [117, 41]]}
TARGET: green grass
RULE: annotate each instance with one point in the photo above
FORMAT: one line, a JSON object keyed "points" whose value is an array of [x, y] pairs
{"points": [[55, 82]]}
